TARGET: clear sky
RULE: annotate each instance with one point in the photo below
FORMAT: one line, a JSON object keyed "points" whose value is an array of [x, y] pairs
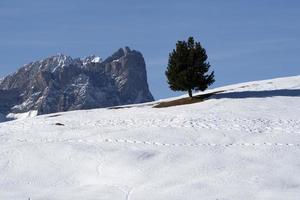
{"points": [[245, 40]]}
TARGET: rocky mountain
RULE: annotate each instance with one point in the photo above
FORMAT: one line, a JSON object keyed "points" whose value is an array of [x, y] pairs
{"points": [[61, 83]]}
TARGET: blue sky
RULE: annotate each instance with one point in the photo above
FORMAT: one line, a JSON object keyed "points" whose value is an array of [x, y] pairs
{"points": [[245, 40]]}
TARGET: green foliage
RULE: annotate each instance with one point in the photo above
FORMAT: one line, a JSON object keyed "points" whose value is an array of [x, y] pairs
{"points": [[188, 67]]}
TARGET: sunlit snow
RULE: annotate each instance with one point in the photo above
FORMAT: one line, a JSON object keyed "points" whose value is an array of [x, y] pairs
{"points": [[243, 143]]}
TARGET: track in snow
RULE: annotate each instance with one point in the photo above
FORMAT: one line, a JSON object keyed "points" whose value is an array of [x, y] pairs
{"points": [[151, 143], [258, 125]]}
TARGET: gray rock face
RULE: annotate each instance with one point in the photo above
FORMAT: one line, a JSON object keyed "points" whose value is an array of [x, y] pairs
{"points": [[61, 83]]}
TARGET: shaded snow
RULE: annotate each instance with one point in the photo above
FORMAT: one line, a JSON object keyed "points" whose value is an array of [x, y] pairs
{"points": [[243, 143]]}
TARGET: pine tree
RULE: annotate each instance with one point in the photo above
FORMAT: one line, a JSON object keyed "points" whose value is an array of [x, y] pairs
{"points": [[188, 67]]}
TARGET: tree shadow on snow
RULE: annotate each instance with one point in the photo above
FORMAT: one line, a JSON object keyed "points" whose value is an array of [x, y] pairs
{"points": [[229, 95], [258, 94]]}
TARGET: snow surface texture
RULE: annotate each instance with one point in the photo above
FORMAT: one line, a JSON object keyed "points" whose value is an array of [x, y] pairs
{"points": [[240, 144]]}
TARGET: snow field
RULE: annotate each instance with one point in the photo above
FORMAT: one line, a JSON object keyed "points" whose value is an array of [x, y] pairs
{"points": [[232, 146]]}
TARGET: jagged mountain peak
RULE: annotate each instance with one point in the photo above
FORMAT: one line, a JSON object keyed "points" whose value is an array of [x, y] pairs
{"points": [[61, 60], [58, 61], [62, 83], [122, 52], [50, 64]]}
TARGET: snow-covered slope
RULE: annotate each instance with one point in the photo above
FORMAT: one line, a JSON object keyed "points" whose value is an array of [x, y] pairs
{"points": [[243, 143]]}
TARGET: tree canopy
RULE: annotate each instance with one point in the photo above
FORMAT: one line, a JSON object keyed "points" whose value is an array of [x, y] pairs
{"points": [[188, 68]]}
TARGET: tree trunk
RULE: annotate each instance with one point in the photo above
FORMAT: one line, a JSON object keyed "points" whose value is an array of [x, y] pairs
{"points": [[190, 93]]}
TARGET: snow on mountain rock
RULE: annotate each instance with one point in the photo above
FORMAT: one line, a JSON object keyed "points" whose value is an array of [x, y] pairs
{"points": [[243, 143], [32, 113], [97, 60], [91, 59], [61, 83]]}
